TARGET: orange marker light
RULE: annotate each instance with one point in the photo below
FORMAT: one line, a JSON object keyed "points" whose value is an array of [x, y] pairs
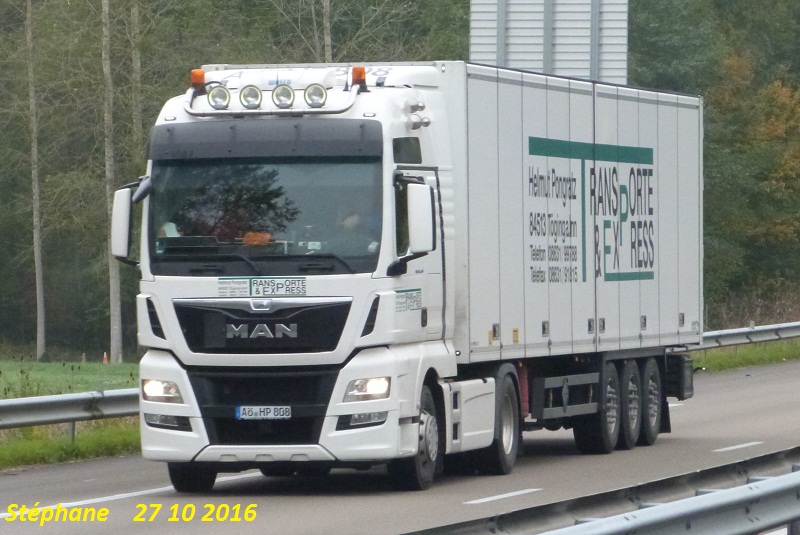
{"points": [[198, 79], [360, 78]]}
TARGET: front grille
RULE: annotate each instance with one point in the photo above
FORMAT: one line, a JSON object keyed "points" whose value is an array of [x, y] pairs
{"points": [[307, 390], [214, 327]]}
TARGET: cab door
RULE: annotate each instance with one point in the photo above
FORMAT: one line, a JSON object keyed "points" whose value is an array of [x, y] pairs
{"points": [[419, 287]]}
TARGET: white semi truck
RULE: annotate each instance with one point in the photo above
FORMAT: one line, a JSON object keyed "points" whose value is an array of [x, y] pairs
{"points": [[410, 265]]}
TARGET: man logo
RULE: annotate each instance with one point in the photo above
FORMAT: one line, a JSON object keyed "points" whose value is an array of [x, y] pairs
{"points": [[261, 330]]}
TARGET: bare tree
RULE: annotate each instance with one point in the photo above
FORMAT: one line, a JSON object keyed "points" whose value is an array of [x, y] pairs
{"points": [[326, 30], [136, 77], [115, 306], [347, 27], [33, 122]]}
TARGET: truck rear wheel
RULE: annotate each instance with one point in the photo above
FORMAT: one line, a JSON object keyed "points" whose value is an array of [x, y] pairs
{"points": [[499, 458], [630, 406], [192, 477], [417, 472], [599, 432], [651, 403]]}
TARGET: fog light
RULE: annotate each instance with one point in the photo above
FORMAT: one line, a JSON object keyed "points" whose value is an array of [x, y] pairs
{"points": [[361, 420], [367, 418], [283, 96], [166, 421], [315, 96], [250, 97], [219, 98]]}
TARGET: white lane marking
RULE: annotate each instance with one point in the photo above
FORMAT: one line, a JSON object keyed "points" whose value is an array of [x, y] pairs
{"points": [[675, 405], [115, 497], [501, 496], [737, 447]]}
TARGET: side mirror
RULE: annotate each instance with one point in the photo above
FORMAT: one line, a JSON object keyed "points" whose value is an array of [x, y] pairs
{"points": [[417, 221], [121, 225], [421, 233]]}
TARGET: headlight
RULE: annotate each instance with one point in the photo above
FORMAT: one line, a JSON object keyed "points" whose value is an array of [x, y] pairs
{"points": [[283, 96], [315, 96], [368, 389], [219, 97], [250, 97], [163, 391]]}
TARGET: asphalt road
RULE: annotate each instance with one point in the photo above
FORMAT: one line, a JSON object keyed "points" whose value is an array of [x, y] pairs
{"points": [[734, 415]]}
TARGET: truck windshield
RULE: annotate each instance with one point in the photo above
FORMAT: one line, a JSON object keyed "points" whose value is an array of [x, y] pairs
{"points": [[256, 217]]}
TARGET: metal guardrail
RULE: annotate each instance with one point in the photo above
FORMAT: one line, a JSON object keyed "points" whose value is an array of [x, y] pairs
{"points": [[753, 508], [748, 335], [727, 499], [66, 408]]}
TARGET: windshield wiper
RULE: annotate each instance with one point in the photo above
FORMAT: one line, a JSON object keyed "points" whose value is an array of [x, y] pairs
{"points": [[211, 258], [336, 257], [316, 266], [311, 257]]}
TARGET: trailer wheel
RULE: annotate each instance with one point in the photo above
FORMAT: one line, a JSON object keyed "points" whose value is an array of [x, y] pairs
{"points": [[630, 406], [599, 432], [417, 472], [192, 477], [651, 403], [499, 458]]}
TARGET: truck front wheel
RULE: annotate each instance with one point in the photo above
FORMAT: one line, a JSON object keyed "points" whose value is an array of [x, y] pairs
{"points": [[417, 472], [192, 477], [499, 458]]}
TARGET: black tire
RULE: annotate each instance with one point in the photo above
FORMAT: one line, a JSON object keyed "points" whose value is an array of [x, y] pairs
{"points": [[418, 471], [278, 469], [630, 385], [499, 458], [192, 477], [652, 407], [599, 432]]}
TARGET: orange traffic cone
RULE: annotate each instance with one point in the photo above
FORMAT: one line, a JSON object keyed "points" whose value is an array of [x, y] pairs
{"points": [[105, 357]]}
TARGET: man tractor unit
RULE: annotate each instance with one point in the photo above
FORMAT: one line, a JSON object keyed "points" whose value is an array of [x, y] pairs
{"points": [[410, 265]]}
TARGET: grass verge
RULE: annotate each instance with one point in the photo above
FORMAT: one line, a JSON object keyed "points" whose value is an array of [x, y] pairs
{"points": [[24, 378], [728, 358], [53, 444]]}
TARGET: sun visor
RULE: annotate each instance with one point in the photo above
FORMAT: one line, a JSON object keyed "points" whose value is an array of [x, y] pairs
{"points": [[258, 138]]}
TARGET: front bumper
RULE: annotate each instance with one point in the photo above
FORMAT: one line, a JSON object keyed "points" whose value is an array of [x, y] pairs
{"points": [[208, 404]]}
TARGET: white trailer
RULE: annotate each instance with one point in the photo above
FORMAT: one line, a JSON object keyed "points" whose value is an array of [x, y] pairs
{"points": [[411, 267]]}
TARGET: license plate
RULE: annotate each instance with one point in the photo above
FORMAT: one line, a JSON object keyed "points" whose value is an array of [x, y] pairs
{"points": [[270, 412]]}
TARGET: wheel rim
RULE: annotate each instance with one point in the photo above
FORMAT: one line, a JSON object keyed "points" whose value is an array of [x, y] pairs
{"points": [[633, 403], [507, 424], [428, 437], [653, 400], [612, 407]]}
